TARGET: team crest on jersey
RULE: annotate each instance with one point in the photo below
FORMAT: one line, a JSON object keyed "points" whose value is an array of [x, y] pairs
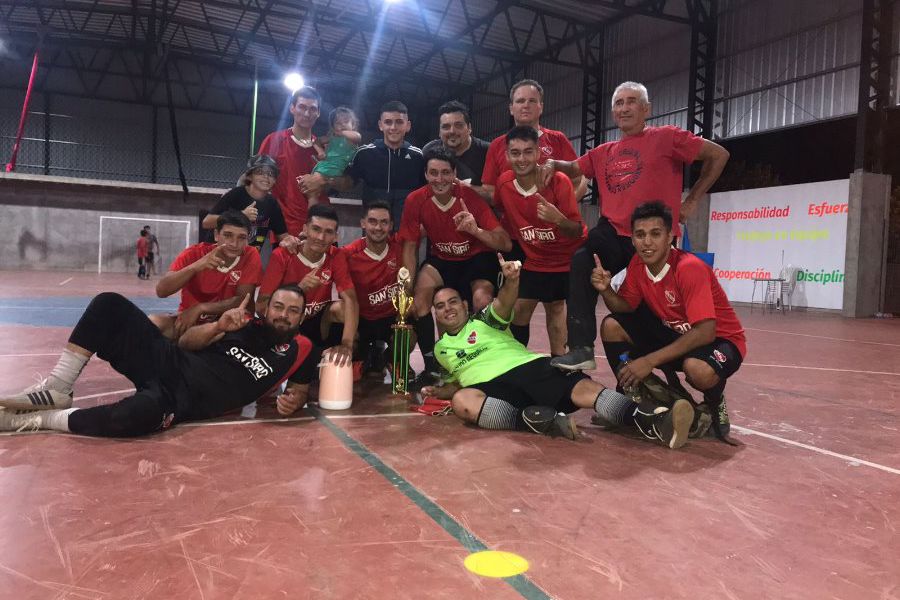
{"points": [[235, 276], [281, 349], [392, 264], [325, 276], [548, 150], [460, 353], [670, 297], [720, 358], [473, 337]]}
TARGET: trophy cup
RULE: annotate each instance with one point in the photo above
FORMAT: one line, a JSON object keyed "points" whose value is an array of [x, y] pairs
{"points": [[401, 300]]}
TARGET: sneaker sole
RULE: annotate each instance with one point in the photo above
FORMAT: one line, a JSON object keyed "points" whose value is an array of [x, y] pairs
{"points": [[570, 431], [682, 418], [587, 365]]}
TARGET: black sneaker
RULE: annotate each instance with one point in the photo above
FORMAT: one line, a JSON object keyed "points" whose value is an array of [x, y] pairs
{"points": [[723, 421], [702, 422], [579, 359], [564, 425], [668, 425]]}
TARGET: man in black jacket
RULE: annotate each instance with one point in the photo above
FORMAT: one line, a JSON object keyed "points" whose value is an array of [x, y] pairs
{"points": [[389, 168]]}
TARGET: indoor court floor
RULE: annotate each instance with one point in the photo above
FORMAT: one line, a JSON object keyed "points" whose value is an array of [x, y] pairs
{"points": [[380, 502]]}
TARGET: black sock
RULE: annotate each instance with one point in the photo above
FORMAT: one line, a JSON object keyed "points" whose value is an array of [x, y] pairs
{"points": [[613, 350], [424, 328], [522, 333], [713, 396]]}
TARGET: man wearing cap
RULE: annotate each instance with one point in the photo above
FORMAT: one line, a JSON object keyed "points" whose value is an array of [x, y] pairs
{"points": [[253, 198]]}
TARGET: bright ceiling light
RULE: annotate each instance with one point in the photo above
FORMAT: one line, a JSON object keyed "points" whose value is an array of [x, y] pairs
{"points": [[293, 81]]}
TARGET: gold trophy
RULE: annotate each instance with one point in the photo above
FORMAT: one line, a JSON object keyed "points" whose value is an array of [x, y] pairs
{"points": [[402, 300]]}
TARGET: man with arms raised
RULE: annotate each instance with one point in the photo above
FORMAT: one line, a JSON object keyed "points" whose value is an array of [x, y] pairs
{"points": [[690, 325], [495, 382], [316, 269], [547, 225], [215, 368], [462, 233], [212, 277]]}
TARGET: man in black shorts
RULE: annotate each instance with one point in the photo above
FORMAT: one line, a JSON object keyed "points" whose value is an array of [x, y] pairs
{"points": [[547, 226], [214, 368], [153, 251], [495, 382], [463, 235], [690, 325]]}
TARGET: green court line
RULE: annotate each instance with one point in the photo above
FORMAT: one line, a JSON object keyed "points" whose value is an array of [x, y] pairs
{"points": [[520, 583]]}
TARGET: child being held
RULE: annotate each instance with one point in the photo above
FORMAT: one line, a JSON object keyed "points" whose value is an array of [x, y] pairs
{"points": [[336, 150]]}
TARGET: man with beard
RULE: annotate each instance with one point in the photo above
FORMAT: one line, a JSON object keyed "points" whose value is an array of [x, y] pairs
{"points": [[214, 368], [455, 130]]}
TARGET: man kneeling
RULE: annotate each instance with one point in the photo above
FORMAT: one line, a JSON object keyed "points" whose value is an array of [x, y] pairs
{"points": [[497, 383], [215, 368]]}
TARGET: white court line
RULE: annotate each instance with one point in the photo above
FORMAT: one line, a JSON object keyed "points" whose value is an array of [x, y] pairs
{"points": [[806, 368], [24, 355], [65, 281], [819, 369], [244, 422], [850, 459], [821, 337], [381, 416]]}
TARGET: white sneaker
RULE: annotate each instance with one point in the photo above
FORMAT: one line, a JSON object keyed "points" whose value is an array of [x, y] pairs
{"points": [[29, 420], [37, 397]]}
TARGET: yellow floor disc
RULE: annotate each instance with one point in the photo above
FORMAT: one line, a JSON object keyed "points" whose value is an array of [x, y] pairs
{"points": [[495, 563]]}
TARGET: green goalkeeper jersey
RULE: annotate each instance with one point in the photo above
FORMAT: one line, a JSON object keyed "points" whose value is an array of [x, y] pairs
{"points": [[482, 350]]}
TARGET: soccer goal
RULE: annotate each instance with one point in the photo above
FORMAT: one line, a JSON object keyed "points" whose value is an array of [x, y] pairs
{"points": [[117, 242]]}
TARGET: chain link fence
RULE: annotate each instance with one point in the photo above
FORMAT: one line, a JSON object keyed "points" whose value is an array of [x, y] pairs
{"points": [[97, 139]]}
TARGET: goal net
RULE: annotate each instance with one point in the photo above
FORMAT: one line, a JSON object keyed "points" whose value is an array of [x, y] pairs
{"points": [[117, 244]]}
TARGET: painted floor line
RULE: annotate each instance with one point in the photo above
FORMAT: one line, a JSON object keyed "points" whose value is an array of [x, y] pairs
{"points": [[821, 337], [819, 369], [244, 422], [804, 368], [27, 355], [378, 416], [65, 281], [522, 584], [850, 459]]}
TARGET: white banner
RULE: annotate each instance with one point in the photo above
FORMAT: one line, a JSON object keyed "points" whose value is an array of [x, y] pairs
{"points": [[770, 232]]}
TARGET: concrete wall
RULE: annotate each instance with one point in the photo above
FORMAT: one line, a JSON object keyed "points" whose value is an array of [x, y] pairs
{"points": [[54, 222], [866, 257]]}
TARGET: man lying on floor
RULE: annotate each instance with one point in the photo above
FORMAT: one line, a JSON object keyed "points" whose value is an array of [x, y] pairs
{"points": [[497, 383], [213, 369]]}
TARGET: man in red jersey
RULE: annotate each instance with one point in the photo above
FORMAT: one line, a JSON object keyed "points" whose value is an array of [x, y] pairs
{"points": [[690, 326], [526, 105], [316, 269], [547, 225], [645, 164], [295, 155], [374, 262], [463, 235], [212, 277]]}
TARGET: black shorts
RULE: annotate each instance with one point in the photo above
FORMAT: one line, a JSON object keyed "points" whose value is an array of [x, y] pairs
{"points": [[150, 257], [312, 328], [459, 274], [375, 330], [535, 383], [649, 334], [543, 287]]}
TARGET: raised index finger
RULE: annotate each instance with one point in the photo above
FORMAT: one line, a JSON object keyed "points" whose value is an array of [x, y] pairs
{"points": [[243, 305], [462, 203], [501, 259], [598, 263]]}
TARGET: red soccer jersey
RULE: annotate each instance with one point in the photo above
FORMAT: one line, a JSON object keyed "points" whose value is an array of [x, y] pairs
{"points": [[552, 144], [143, 247], [285, 268], [293, 161], [687, 294], [639, 168], [546, 249], [374, 276], [421, 210], [211, 285]]}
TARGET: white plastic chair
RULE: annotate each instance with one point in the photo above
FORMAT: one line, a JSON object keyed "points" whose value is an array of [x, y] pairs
{"points": [[789, 275]]}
